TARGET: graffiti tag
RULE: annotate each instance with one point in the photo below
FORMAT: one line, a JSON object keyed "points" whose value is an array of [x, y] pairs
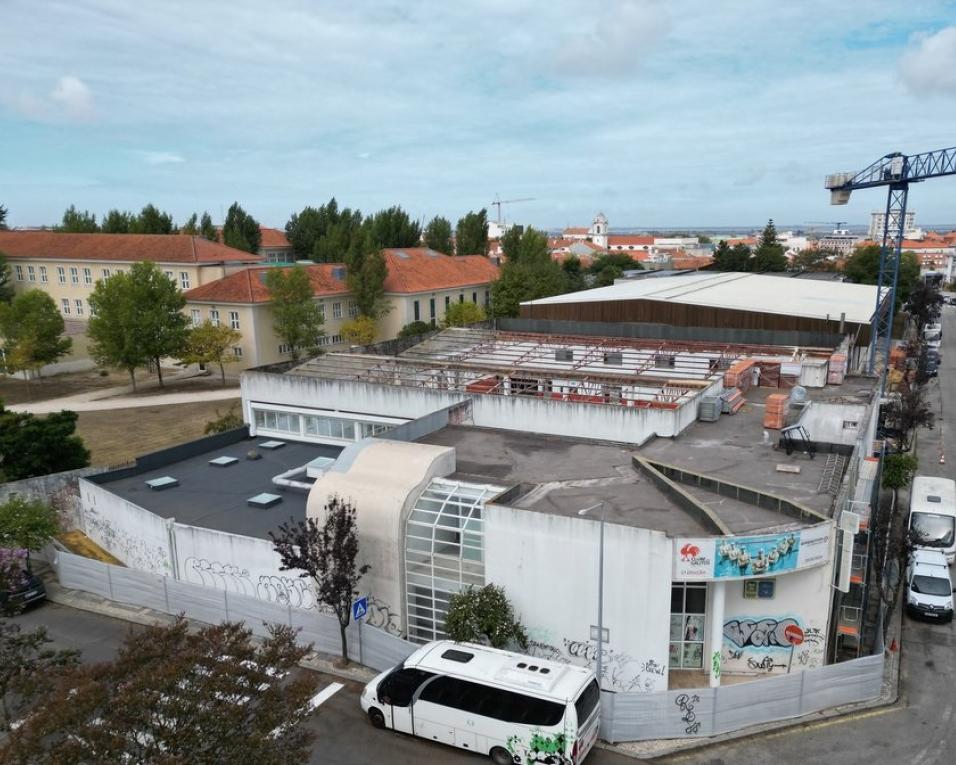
{"points": [[766, 664], [685, 704], [715, 663], [760, 633]]}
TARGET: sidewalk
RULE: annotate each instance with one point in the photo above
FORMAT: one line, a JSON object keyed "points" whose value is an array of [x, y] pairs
{"points": [[326, 664]]}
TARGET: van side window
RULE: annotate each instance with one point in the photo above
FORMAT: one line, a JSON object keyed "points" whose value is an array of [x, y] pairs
{"points": [[587, 701], [492, 702], [398, 688]]}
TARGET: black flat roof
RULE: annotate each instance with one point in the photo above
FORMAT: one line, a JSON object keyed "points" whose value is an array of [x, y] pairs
{"points": [[215, 497]]}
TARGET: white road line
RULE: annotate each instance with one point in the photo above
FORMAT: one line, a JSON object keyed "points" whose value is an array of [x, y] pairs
{"points": [[324, 695]]}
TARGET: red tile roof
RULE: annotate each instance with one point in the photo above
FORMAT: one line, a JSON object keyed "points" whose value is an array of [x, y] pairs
{"points": [[248, 285], [614, 240], [578, 230], [121, 248], [557, 242], [273, 238], [681, 264], [419, 269]]}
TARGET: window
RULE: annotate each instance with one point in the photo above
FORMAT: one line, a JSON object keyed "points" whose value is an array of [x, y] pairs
{"points": [[237, 351], [615, 358], [461, 297], [79, 307], [234, 319], [106, 273], [92, 310], [43, 277], [61, 274], [88, 276], [587, 702], [329, 427], [336, 339], [324, 340], [74, 276], [19, 270], [285, 422], [284, 348], [169, 275], [417, 310], [196, 317], [447, 301], [336, 310], [688, 605], [214, 317], [184, 280], [353, 309], [474, 298], [66, 305], [321, 306], [431, 309], [399, 687], [496, 703]]}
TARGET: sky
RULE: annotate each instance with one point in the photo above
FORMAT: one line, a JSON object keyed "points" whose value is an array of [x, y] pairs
{"points": [[657, 112]]}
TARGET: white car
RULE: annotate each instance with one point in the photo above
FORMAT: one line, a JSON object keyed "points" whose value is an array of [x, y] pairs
{"points": [[929, 590]]}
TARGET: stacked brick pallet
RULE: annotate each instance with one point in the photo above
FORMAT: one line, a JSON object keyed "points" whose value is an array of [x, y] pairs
{"points": [[775, 415], [733, 400], [739, 375], [837, 369]]}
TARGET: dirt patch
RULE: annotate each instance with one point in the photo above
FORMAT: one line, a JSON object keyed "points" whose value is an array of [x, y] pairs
{"points": [[118, 436], [78, 543], [13, 391]]}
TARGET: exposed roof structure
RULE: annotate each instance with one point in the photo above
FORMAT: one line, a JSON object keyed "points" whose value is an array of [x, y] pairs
{"points": [[120, 248], [248, 285], [419, 269], [739, 291]]}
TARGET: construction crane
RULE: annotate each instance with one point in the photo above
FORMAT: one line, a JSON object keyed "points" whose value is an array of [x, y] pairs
{"points": [[837, 224], [895, 171], [498, 202]]}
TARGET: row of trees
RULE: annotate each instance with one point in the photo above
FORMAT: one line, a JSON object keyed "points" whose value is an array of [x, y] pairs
{"points": [[769, 254]]}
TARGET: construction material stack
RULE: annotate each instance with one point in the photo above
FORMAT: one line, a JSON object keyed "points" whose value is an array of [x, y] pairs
{"points": [[775, 414]]}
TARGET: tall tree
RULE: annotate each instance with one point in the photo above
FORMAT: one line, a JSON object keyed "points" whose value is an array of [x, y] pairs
{"points": [[76, 222], [31, 445], [177, 695], [138, 317], [32, 330], [574, 273], [295, 316], [241, 230], [393, 228], [6, 282], [117, 222], [210, 344], [923, 305], [3, 218], [191, 226], [610, 266], [736, 258], [27, 523], [206, 228], [530, 274], [152, 220], [327, 554], [305, 228], [471, 234], [863, 267], [334, 245], [817, 259], [511, 243], [367, 271], [769, 255], [437, 235]]}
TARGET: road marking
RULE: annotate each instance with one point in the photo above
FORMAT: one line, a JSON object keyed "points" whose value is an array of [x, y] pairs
{"points": [[695, 754], [324, 695]]}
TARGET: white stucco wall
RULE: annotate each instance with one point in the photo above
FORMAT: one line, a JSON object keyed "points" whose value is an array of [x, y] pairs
{"points": [[127, 531], [548, 565], [382, 479]]}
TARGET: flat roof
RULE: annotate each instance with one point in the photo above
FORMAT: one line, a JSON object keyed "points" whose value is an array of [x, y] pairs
{"points": [[216, 497], [740, 291]]}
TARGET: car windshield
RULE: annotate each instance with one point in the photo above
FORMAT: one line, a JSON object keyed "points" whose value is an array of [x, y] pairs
{"points": [[931, 585], [933, 530]]}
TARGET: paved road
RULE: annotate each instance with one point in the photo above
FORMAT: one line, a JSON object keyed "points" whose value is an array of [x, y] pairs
{"points": [[85, 403], [343, 737], [921, 730]]}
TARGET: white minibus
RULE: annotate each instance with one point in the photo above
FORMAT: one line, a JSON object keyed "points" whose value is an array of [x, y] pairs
{"points": [[933, 514], [512, 707]]}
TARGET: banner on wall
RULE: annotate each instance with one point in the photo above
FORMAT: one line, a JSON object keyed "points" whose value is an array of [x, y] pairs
{"points": [[702, 559]]}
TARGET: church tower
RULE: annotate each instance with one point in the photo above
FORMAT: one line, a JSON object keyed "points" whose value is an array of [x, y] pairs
{"points": [[598, 231]]}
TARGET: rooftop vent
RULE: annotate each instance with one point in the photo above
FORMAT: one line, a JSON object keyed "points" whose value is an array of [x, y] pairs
{"points": [[166, 482], [223, 461], [265, 499], [463, 657], [403, 255], [564, 354], [432, 253], [272, 444], [615, 358]]}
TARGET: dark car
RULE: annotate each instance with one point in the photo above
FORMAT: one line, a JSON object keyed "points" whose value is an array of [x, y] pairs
{"points": [[30, 590]]}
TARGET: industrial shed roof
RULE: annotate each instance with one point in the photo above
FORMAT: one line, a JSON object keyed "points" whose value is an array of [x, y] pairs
{"points": [[739, 291]]}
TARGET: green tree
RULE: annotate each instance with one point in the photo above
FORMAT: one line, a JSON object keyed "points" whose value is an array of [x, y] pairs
{"points": [[360, 331], [3, 218], [484, 615], [223, 421], [6, 282], [138, 318], [816, 259], [471, 234], [610, 266], [437, 235], [463, 314], [29, 668], [863, 267], [117, 222], [416, 328], [328, 555], [365, 277], [241, 230], [736, 258], [209, 343], [898, 471], [511, 243], [152, 220], [31, 445], [393, 228], [295, 316], [191, 226], [76, 222], [306, 228], [32, 330], [173, 695], [529, 274], [769, 255], [574, 273], [27, 523], [336, 243], [923, 305], [206, 229]]}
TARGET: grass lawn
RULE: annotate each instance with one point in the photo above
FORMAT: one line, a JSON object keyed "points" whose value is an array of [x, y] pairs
{"points": [[116, 436]]}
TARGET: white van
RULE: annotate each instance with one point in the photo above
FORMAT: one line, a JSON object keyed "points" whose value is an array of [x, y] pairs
{"points": [[933, 514], [512, 707], [929, 590]]}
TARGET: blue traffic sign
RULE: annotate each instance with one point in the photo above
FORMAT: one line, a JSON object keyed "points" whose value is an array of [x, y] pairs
{"points": [[359, 608]]}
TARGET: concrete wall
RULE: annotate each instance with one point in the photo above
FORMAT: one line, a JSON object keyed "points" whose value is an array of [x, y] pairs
{"points": [[548, 566], [61, 490]]}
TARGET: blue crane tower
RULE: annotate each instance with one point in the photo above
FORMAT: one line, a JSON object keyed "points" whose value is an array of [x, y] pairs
{"points": [[895, 171]]}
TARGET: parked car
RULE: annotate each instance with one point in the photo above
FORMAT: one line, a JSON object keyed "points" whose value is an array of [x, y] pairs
{"points": [[30, 590], [929, 590], [932, 368]]}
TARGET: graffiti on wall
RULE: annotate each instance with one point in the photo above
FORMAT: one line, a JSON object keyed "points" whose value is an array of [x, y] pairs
{"points": [[771, 644], [540, 749], [135, 551], [685, 704], [620, 671]]}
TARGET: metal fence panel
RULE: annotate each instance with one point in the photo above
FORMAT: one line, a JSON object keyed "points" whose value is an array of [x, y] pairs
{"points": [[843, 683], [380, 650], [197, 602], [758, 701], [139, 588], [322, 630], [80, 573], [256, 613]]}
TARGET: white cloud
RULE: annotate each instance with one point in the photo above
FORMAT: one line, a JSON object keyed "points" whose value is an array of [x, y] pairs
{"points": [[160, 157], [75, 98], [929, 66]]}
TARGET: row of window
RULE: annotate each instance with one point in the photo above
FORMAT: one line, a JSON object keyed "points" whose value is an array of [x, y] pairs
{"points": [[39, 273], [461, 299], [317, 425], [77, 306], [214, 318]]}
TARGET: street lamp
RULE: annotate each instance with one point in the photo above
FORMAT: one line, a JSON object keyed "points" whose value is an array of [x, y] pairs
{"points": [[600, 624]]}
